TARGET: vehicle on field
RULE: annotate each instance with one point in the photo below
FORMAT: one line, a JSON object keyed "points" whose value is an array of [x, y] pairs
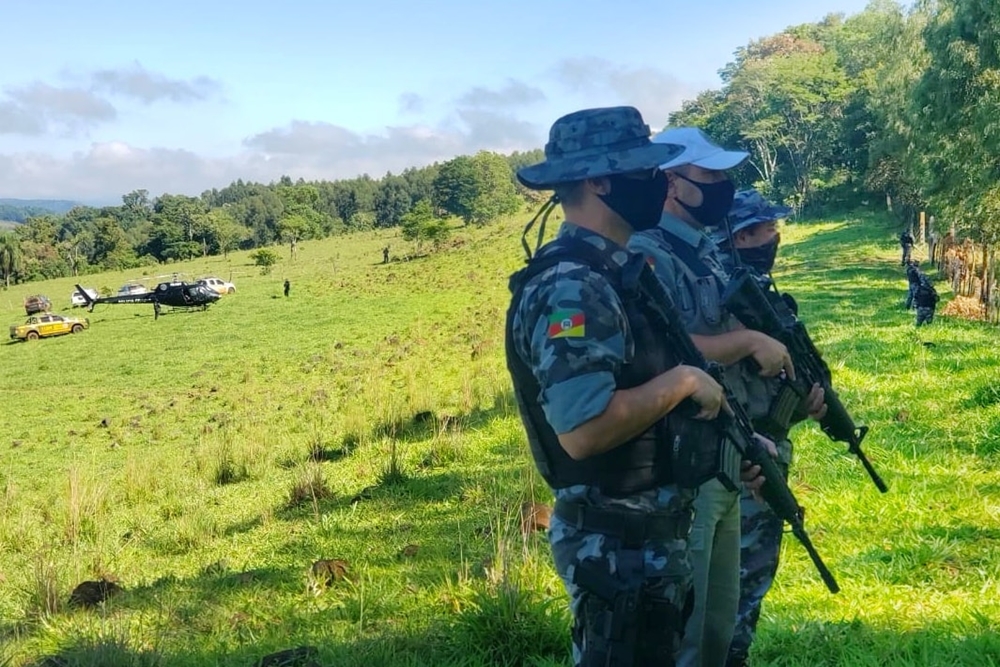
{"points": [[44, 325], [176, 294], [78, 300], [37, 303], [218, 284], [131, 288]]}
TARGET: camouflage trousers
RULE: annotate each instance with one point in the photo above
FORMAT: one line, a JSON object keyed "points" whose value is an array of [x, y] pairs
{"points": [[629, 600], [925, 315], [760, 545]]}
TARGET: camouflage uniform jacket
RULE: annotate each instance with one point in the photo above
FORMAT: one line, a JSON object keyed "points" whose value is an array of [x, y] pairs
{"points": [[571, 330], [698, 299], [760, 390]]}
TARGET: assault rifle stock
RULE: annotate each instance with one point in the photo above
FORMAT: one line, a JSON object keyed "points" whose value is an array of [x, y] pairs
{"points": [[766, 311], [737, 426]]}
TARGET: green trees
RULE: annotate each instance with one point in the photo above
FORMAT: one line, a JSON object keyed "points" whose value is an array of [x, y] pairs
{"points": [[477, 189], [421, 225]]}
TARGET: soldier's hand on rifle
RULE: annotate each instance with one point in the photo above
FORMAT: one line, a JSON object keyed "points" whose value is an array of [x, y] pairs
{"points": [[750, 474], [751, 478], [772, 356], [768, 444], [815, 403], [707, 393]]}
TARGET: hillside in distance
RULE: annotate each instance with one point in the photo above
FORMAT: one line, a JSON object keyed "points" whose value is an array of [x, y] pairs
{"points": [[18, 210]]}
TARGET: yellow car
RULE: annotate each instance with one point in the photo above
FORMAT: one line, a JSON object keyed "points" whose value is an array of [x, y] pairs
{"points": [[48, 324]]}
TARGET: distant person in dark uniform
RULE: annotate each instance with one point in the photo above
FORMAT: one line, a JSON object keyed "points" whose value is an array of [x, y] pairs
{"points": [[385, 255], [156, 310], [926, 298], [288, 287], [906, 241], [913, 278]]}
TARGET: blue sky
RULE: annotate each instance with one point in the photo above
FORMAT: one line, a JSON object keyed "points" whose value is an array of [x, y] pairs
{"points": [[102, 97]]}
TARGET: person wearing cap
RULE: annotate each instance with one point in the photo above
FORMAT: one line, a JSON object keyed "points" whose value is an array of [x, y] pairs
{"points": [[686, 261], [750, 238], [595, 384]]}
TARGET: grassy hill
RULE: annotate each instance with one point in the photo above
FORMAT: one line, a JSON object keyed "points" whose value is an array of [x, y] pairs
{"points": [[206, 460]]}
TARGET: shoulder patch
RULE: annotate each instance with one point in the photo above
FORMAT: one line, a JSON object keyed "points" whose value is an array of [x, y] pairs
{"points": [[567, 324]]}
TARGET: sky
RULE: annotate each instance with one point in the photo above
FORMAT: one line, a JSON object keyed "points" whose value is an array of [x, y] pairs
{"points": [[100, 98]]}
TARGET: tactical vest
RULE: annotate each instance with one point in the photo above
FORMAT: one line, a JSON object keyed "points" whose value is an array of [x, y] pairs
{"points": [[926, 296], [704, 298], [647, 460], [769, 402]]}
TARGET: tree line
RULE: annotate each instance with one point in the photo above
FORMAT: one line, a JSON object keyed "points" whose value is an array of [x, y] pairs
{"points": [[894, 106], [145, 231]]}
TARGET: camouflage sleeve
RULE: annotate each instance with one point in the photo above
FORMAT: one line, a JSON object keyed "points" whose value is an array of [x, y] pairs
{"points": [[574, 340]]}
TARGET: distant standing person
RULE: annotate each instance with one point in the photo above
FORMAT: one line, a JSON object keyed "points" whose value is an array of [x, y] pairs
{"points": [[288, 287], [913, 278], [385, 255], [906, 241], [156, 310], [926, 298]]}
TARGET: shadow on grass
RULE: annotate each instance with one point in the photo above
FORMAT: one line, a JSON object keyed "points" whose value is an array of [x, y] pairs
{"points": [[940, 556], [426, 424], [432, 648]]}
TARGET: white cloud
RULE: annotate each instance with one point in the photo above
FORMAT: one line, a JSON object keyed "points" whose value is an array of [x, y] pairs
{"points": [[653, 91], [479, 119], [39, 107], [310, 150], [514, 93], [149, 87]]}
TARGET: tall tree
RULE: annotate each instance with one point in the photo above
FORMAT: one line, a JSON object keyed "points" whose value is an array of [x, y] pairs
{"points": [[10, 256]]}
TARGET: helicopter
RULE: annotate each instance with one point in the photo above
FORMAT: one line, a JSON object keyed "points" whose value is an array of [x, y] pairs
{"points": [[176, 294]]}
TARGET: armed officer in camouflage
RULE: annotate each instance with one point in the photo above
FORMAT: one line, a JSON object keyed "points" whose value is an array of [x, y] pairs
{"points": [[751, 238], [684, 258], [597, 391]]}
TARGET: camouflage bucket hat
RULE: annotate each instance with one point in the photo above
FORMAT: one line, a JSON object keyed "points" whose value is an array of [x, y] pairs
{"points": [[750, 208], [593, 143]]}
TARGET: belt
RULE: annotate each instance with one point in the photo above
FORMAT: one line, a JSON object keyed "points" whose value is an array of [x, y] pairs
{"points": [[631, 526]]}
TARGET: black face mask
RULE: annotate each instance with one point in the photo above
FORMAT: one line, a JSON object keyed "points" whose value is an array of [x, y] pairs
{"points": [[762, 257], [638, 201], [716, 200]]}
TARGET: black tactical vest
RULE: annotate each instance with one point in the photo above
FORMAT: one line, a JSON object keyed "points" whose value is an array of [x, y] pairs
{"points": [[647, 460]]}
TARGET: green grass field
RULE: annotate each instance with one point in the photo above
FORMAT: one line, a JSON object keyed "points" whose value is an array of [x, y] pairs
{"points": [[204, 461]]}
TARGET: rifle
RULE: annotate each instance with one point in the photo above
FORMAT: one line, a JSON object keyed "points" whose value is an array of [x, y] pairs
{"points": [[737, 427], [767, 311]]}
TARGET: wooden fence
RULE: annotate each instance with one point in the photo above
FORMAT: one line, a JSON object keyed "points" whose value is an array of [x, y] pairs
{"points": [[970, 268]]}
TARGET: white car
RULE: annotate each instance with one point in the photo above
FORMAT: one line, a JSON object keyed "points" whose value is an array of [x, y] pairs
{"points": [[218, 284], [77, 299], [128, 289]]}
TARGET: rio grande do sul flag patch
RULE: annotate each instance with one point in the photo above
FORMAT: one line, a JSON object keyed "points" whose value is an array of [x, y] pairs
{"points": [[566, 324]]}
